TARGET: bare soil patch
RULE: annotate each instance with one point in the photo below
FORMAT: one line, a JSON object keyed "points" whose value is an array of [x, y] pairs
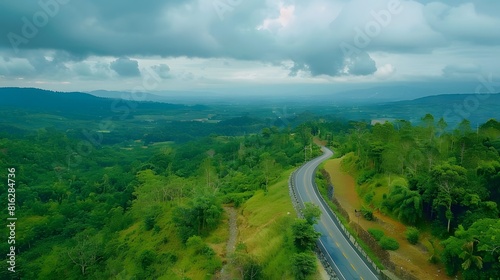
{"points": [[225, 273], [412, 258]]}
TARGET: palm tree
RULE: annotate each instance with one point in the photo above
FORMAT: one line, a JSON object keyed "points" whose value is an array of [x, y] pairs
{"points": [[469, 258], [405, 203]]}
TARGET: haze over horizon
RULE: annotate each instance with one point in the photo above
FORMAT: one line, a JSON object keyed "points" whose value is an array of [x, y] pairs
{"points": [[251, 47]]}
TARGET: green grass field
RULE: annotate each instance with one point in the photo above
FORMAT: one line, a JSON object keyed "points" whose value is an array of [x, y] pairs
{"points": [[264, 223]]}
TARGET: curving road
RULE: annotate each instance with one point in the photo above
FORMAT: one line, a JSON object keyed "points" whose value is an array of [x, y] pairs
{"points": [[340, 253]]}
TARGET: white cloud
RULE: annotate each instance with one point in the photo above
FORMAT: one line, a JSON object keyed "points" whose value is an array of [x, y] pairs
{"points": [[264, 41], [463, 23], [283, 20], [385, 71]]}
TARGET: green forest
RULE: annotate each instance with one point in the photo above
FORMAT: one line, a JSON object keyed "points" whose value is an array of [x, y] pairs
{"points": [[135, 210], [433, 178], [141, 195]]}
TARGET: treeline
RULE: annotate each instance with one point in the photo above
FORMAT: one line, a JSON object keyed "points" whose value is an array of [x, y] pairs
{"points": [[431, 174]]}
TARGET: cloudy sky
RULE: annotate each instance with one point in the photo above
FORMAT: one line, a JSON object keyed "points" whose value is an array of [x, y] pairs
{"points": [[213, 45]]}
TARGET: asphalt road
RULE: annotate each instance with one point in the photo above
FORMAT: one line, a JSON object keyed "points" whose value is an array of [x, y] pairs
{"points": [[343, 258]]}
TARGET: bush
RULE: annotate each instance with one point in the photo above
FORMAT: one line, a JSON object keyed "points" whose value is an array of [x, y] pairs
{"points": [[304, 264], [149, 222], [369, 197], [196, 243], [303, 234], [248, 266], [199, 246], [237, 198], [365, 177], [169, 257], [412, 235], [367, 214], [388, 243], [147, 258], [376, 233]]}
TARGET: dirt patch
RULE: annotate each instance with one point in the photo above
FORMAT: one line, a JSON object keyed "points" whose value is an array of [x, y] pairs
{"points": [[412, 258], [233, 230], [225, 273], [319, 142]]}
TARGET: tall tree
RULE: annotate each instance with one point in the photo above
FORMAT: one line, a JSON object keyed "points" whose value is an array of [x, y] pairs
{"points": [[405, 203], [469, 257], [450, 180], [86, 252], [304, 235], [429, 126], [311, 213]]}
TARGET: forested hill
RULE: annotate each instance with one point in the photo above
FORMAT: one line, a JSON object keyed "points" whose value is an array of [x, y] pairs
{"points": [[477, 108], [453, 98], [76, 103]]}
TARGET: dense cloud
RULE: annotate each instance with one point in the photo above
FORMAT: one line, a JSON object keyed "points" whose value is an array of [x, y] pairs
{"points": [[162, 70], [126, 67], [317, 37]]}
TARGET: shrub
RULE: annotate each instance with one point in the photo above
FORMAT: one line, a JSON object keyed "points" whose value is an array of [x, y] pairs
{"points": [[303, 234], [367, 214], [376, 233], [369, 197], [237, 198], [412, 235], [169, 257], [199, 246], [399, 182], [149, 222], [304, 264], [433, 259], [365, 177], [196, 243], [388, 243], [311, 212], [147, 258]]}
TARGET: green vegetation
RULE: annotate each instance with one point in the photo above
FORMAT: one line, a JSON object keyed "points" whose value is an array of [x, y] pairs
{"points": [[474, 251], [376, 233], [428, 174], [139, 192], [321, 182], [267, 233], [98, 208], [388, 243], [304, 264], [412, 235], [311, 213], [198, 217], [303, 234]]}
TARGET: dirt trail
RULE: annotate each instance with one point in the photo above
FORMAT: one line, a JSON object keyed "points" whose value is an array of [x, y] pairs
{"points": [[231, 242], [407, 257]]}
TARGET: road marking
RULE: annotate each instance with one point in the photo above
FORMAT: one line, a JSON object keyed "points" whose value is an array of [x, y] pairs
{"points": [[345, 255], [307, 169]]}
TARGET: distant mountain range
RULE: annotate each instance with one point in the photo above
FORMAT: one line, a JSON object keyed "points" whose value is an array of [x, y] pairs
{"points": [[477, 108], [76, 103], [293, 94], [453, 107], [179, 97], [136, 96]]}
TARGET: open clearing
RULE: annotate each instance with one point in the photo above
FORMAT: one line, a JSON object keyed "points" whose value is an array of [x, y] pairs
{"points": [[408, 257]]}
